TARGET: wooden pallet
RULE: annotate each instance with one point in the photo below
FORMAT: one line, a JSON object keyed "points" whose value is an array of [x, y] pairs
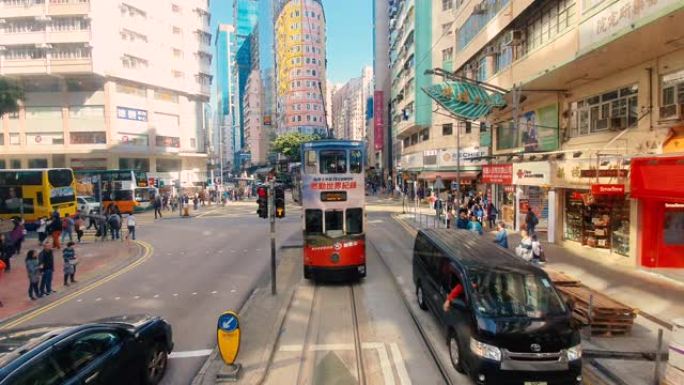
{"points": [[560, 278], [608, 317]]}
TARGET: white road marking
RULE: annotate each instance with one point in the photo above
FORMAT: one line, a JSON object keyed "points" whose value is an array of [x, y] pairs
{"points": [[399, 364], [98, 299], [156, 296], [175, 294], [214, 292], [385, 365], [194, 293], [79, 300], [233, 291], [191, 353], [117, 298], [291, 348], [136, 297]]}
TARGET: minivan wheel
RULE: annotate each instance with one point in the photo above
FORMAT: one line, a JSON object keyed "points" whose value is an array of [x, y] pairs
{"points": [[455, 352], [420, 296], [155, 367]]}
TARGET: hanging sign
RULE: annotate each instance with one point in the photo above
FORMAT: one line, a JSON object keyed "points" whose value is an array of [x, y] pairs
{"points": [[608, 189]]}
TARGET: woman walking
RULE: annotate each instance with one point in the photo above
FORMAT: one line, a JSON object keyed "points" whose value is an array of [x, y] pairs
{"points": [[69, 256], [33, 271], [42, 230]]}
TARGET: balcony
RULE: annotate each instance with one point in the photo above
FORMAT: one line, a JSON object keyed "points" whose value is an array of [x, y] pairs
{"points": [[77, 36], [68, 7], [22, 38], [22, 10]]}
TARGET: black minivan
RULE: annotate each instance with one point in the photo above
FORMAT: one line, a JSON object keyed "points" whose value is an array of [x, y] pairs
{"points": [[509, 325]]}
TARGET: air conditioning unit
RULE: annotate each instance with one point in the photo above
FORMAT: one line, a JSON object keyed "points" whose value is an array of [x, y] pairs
{"points": [[480, 9], [43, 18], [513, 37], [670, 112], [490, 50], [44, 46], [602, 124], [617, 124]]}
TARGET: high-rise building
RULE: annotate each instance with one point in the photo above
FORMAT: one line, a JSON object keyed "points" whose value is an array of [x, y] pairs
{"points": [[300, 66], [380, 136], [108, 85], [245, 16], [224, 99], [350, 107]]}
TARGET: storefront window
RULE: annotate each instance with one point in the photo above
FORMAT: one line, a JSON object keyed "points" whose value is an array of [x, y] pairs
{"points": [[673, 226]]}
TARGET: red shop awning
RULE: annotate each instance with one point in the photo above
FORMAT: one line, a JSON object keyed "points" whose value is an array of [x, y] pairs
{"points": [[660, 178], [448, 175]]}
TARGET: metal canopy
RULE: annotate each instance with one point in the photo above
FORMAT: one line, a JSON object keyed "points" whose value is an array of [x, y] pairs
{"points": [[465, 100]]}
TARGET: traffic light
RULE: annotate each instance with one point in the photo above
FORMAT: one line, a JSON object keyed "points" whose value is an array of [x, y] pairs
{"points": [[280, 202], [262, 201], [156, 182]]}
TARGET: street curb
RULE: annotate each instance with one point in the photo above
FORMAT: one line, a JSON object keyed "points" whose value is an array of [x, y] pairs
{"points": [[81, 284]]}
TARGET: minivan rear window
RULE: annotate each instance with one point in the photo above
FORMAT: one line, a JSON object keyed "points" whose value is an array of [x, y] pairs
{"points": [[515, 294]]}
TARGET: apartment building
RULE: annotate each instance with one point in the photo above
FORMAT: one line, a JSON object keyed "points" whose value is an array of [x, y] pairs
{"points": [[224, 99], [380, 138], [301, 67], [592, 135], [350, 107], [115, 84]]}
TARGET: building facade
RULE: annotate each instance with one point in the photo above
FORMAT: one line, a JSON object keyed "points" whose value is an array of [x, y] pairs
{"points": [[380, 138], [586, 141], [108, 85], [224, 122], [301, 67], [350, 107]]}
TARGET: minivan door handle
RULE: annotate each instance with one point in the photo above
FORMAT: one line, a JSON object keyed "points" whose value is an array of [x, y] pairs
{"points": [[92, 377]]}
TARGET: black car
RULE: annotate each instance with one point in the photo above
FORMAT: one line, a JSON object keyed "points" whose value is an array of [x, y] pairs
{"points": [[122, 350], [509, 324]]}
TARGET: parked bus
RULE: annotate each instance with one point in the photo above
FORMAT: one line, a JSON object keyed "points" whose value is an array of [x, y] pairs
{"points": [[35, 193], [118, 188], [333, 201]]}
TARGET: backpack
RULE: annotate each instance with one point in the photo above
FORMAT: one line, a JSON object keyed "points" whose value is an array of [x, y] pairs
{"points": [[65, 223], [535, 220]]}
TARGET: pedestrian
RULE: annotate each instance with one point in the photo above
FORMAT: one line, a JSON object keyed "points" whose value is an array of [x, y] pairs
{"points": [[524, 249], [33, 271], [538, 256], [17, 235], [195, 202], [478, 212], [114, 224], [475, 226], [157, 206], [2, 271], [56, 229], [531, 221], [78, 227], [130, 224], [42, 230], [67, 227], [46, 259], [492, 212], [462, 222], [501, 236], [70, 262], [6, 251], [451, 214]]}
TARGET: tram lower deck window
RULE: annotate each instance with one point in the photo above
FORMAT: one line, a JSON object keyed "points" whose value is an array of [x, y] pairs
{"points": [[334, 221], [354, 221], [313, 222]]}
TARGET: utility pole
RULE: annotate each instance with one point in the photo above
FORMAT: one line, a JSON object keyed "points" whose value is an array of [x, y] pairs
{"points": [[271, 217]]}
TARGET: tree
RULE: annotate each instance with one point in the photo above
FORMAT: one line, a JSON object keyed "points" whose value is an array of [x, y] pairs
{"points": [[10, 95], [289, 144]]}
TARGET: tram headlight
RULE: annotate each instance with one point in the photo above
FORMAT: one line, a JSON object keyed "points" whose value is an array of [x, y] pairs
{"points": [[335, 258]]}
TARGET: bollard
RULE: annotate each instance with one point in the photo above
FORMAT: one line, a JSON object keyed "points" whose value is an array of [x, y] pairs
{"points": [[659, 348]]}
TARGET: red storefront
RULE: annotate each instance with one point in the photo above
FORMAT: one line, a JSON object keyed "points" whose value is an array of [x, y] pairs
{"points": [[658, 184]]}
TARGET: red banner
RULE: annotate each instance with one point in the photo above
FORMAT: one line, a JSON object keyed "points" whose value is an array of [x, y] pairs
{"points": [[378, 120], [608, 189], [497, 173]]}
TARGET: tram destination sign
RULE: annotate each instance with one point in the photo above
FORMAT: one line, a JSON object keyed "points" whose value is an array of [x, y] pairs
{"points": [[333, 196]]}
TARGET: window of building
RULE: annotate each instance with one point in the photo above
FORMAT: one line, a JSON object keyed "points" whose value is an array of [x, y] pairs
{"points": [[168, 165], [131, 89], [167, 141], [15, 164], [446, 28], [24, 52], [134, 139], [613, 110], [69, 23], [70, 51], [86, 112], [88, 138], [481, 73], [447, 54], [447, 5], [425, 134], [3, 164], [548, 22], [672, 93], [175, 8], [129, 61], [477, 21], [407, 142], [447, 129], [14, 139], [166, 96], [468, 127], [138, 164], [22, 26], [414, 139]]}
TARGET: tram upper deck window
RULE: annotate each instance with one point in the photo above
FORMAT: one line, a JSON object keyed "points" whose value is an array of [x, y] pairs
{"points": [[355, 161], [313, 222], [311, 162], [334, 223], [333, 162]]}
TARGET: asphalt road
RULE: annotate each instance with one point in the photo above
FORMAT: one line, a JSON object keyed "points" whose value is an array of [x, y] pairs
{"points": [[199, 267]]}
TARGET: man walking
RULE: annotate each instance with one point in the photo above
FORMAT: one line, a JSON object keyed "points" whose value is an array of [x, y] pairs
{"points": [[531, 221], [157, 206], [67, 228], [56, 229], [501, 236], [130, 223], [47, 263]]}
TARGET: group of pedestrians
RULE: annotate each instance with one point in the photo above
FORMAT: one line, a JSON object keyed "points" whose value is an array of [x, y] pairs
{"points": [[40, 269]]}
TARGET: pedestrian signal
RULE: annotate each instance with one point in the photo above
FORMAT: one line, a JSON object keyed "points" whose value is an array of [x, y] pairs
{"points": [[262, 202], [280, 202]]}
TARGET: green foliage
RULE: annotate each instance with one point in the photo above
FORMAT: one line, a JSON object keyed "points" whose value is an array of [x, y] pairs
{"points": [[288, 144], [10, 95]]}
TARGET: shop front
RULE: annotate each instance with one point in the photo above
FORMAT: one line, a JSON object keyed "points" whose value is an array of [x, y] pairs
{"points": [[595, 205], [658, 184], [532, 181], [499, 178]]}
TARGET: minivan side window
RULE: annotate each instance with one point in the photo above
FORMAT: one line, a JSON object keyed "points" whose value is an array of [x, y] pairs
{"points": [[423, 250], [43, 371]]}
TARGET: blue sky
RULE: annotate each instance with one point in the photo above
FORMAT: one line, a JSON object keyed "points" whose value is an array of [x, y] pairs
{"points": [[350, 34]]}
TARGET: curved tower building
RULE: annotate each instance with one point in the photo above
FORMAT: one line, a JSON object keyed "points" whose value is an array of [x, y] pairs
{"points": [[300, 66]]}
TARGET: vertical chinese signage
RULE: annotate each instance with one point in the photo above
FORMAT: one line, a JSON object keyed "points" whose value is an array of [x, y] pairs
{"points": [[378, 120]]}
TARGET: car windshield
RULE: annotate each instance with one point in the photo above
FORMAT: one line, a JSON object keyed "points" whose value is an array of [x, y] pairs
{"points": [[90, 199], [515, 294]]}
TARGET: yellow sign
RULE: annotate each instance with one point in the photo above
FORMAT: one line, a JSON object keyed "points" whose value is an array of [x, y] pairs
{"points": [[228, 336]]}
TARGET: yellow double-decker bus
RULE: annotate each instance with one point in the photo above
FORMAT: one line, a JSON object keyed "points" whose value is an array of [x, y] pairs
{"points": [[35, 193]]}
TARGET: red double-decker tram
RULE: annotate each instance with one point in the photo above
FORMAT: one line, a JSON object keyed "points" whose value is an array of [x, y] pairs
{"points": [[333, 201]]}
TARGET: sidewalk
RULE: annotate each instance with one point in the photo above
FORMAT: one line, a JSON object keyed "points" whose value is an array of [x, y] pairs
{"points": [[95, 258]]}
